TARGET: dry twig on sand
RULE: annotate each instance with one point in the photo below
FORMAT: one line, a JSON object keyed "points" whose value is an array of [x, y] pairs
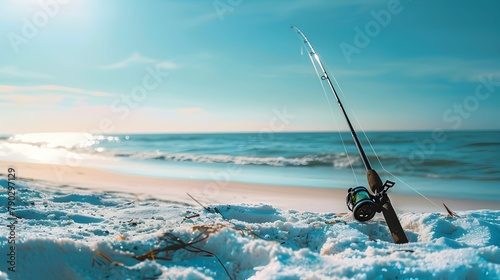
{"points": [[451, 214]]}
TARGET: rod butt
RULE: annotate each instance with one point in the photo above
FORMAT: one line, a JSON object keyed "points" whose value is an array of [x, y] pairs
{"points": [[390, 216]]}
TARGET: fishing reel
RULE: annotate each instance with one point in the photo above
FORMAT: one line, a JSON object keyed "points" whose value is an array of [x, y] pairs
{"points": [[365, 205]]}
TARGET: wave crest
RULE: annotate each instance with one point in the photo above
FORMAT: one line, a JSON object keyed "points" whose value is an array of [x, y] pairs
{"points": [[338, 160]]}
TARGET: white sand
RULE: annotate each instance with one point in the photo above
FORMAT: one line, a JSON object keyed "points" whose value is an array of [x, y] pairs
{"points": [[84, 223]]}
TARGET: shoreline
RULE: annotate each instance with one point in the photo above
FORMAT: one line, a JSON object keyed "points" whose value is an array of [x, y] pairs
{"points": [[222, 192]]}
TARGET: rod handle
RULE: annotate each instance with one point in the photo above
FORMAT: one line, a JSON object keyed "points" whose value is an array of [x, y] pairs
{"points": [[374, 181]]}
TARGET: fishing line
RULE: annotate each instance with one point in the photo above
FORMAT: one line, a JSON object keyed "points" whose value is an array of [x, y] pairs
{"points": [[338, 85], [351, 162], [358, 200], [373, 149], [383, 168]]}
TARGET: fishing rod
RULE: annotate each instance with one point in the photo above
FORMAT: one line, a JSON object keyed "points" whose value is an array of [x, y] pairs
{"points": [[363, 204]]}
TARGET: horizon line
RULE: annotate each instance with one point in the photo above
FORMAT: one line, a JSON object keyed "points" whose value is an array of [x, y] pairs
{"points": [[258, 132]]}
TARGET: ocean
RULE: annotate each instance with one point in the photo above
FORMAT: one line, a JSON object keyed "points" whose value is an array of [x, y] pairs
{"points": [[455, 164]]}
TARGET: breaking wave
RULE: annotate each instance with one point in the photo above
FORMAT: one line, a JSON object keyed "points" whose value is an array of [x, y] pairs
{"points": [[474, 159], [340, 160]]}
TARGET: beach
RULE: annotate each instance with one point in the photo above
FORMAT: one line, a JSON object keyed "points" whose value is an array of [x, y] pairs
{"points": [[195, 207], [176, 190], [96, 224]]}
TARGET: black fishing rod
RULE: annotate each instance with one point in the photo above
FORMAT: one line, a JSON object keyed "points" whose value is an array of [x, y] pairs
{"points": [[363, 204]]}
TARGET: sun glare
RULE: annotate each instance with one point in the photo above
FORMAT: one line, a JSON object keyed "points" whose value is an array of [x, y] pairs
{"points": [[53, 140], [48, 147], [42, 13]]}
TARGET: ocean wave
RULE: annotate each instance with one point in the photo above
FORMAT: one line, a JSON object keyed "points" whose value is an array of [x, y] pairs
{"points": [[339, 160], [164, 137], [303, 150], [483, 144], [475, 177], [81, 143], [443, 162]]}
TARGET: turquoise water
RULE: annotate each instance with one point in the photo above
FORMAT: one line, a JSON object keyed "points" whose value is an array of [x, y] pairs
{"points": [[459, 164]]}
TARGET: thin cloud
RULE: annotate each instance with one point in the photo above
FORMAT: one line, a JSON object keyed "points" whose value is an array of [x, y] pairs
{"points": [[52, 88], [169, 65], [48, 98], [137, 58], [14, 72], [36, 101]]}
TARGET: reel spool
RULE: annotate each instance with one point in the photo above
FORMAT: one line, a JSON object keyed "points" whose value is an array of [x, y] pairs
{"points": [[361, 203]]}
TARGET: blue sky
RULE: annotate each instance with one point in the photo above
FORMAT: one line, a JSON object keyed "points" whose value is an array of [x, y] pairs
{"points": [[235, 65]]}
